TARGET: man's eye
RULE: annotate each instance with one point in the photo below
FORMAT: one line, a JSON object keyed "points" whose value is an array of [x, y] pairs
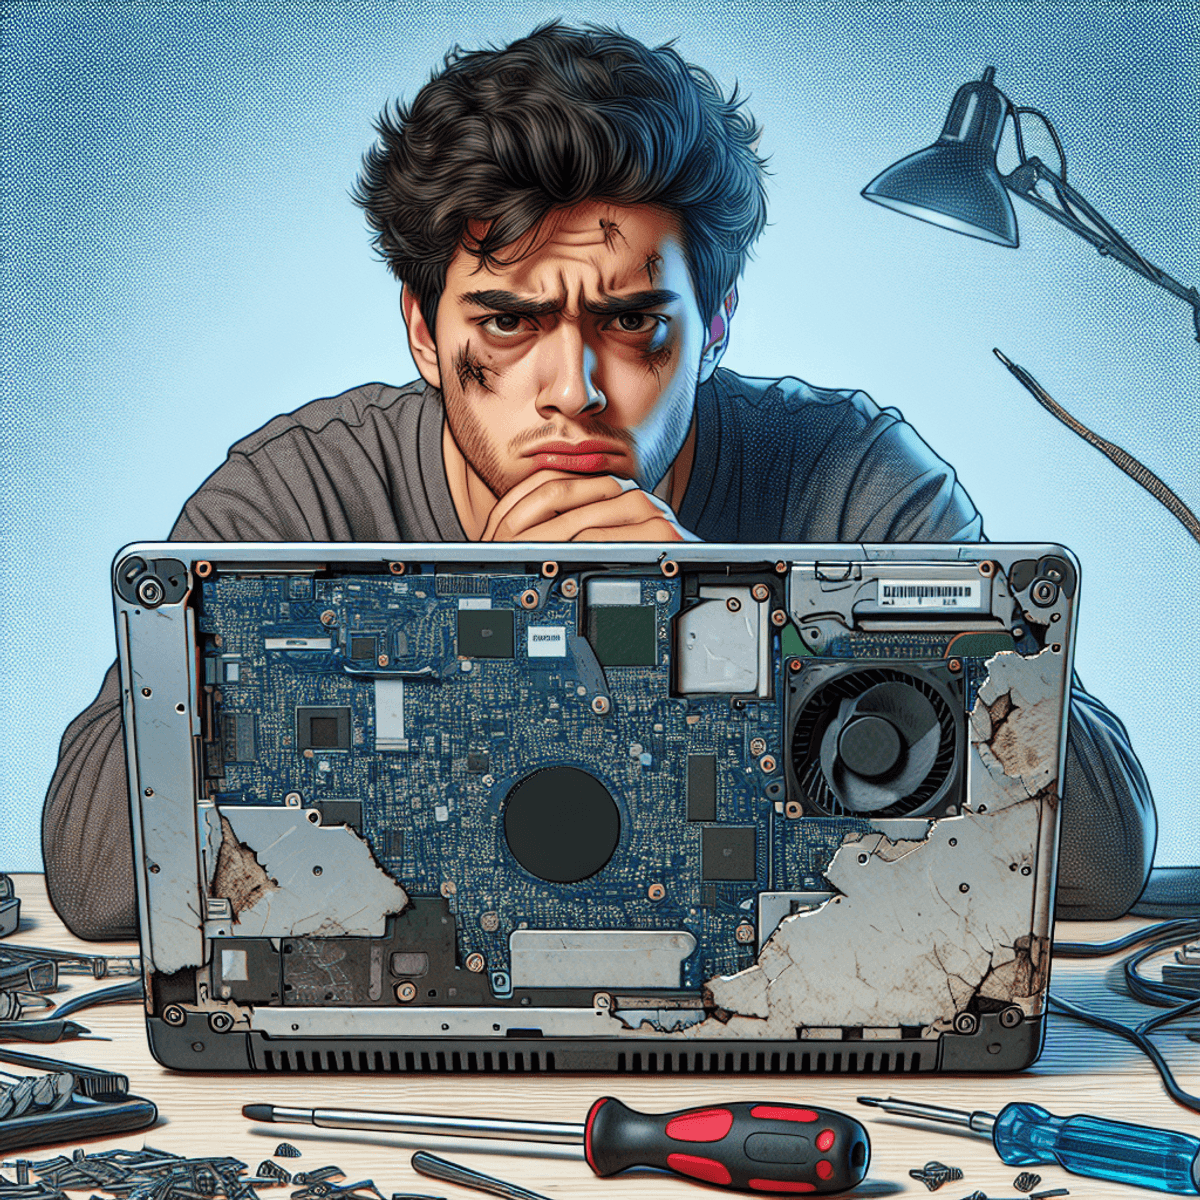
{"points": [[634, 322], [502, 323]]}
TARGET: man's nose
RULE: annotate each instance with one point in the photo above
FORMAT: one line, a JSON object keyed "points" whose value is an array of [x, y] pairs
{"points": [[574, 387]]}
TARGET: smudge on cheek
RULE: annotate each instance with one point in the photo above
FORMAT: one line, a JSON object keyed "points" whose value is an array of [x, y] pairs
{"points": [[657, 360], [470, 370]]}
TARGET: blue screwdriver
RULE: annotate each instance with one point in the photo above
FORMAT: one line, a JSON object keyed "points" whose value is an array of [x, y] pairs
{"points": [[1025, 1135]]}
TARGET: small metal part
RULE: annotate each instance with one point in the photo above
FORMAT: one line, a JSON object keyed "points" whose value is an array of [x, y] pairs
{"points": [[202, 569], [758, 746], [767, 764], [966, 1023], [328, 617], [448, 888], [934, 1174], [489, 922], [529, 598], [602, 1000], [406, 991], [449, 1172], [669, 567], [286, 1150], [569, 588], [1051, 1192], [733, 604], [318, 1174], [600, 705], [271, 1170], [383, 660], [475, 963], [744, 933], [396, 568], [656, 891], [955, 665], [987, 568], [549, 569], [792, 810], [779, 619], [795, 664], [1026, 1181]]}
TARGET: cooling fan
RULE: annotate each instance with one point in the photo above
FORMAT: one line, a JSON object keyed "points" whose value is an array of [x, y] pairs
{"points": [[876, 742]]}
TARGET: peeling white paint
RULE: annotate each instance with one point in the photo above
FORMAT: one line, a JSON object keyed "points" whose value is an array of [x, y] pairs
{"points": [[326, 880]]}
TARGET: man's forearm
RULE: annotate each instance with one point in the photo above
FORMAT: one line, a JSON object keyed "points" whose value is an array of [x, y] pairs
{"points": [[86, 840], [1108, 825]]}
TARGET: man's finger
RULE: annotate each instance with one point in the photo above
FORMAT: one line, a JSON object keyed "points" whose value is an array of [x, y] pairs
{"points": [[620, 514], [552, 498]]}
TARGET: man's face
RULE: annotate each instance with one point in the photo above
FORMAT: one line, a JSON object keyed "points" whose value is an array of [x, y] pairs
{"points": [[580, 356]]}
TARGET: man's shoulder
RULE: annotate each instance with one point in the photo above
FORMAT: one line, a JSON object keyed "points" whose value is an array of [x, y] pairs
{"points": [[350, 410], [763, 397]]}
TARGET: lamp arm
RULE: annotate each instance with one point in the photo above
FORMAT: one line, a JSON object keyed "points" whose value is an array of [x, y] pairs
{"points": [[1023, 181]]}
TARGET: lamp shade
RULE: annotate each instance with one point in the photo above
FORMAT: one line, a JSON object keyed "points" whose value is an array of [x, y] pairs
{"points": [[955, 183]]}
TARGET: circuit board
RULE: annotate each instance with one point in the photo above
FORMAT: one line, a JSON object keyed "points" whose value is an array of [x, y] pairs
{"points": [[413, 708]]}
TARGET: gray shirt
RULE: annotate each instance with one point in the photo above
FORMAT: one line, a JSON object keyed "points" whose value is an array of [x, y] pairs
{"points": [[775, 460]]}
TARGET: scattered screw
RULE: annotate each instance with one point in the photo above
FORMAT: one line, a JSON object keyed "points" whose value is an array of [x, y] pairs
{"points": [[286, 1150], [1026, 1181], [934, 1174]]}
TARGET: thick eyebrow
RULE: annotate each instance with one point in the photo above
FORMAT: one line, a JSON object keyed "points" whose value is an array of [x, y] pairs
{"points": [[523, 306]]}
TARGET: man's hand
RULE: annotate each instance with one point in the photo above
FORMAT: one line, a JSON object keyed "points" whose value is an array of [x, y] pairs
{"points": [[561, 506]]}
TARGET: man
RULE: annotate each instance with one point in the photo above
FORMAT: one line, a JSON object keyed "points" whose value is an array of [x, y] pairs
{"points": [[569, 217]]}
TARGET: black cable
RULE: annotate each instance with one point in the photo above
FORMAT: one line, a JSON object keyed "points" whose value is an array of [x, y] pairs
{"points": [[1164, 995], [1180, 925]]}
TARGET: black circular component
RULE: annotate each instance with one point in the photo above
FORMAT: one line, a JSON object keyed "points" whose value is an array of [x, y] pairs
{"points": [[561, 824], [870, 746], [874, 740]]}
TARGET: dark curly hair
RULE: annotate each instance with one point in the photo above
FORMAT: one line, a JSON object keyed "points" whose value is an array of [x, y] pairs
{"points": [[504, 136]]}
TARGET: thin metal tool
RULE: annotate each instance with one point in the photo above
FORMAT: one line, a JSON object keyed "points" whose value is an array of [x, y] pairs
{"points": [[448, 1172]]}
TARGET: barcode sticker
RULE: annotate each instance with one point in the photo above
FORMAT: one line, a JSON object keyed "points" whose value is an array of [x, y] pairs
{"points": [[930, 593]]}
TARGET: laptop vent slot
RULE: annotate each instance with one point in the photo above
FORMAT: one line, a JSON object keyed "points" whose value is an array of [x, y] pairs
{"points": [[433, 1060]]}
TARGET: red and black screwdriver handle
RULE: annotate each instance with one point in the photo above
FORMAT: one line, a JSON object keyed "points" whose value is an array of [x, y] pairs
{"points": [[788, 1149]]}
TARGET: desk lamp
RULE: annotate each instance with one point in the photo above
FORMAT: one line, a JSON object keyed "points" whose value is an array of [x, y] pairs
{"points": [[956, 183]]}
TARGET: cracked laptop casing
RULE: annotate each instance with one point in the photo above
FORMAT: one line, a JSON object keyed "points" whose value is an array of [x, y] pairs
{"points": [[613, 807]]}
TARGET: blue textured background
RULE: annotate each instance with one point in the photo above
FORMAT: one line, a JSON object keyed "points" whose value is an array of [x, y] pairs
{"points": [[181, 262]]}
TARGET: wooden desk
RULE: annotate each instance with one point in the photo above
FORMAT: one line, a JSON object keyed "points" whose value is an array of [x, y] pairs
{"points": [[1081, 1070]]}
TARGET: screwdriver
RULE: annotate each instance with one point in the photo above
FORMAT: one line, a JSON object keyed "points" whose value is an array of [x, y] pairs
{"points": [[1025, 1135], [757, 1147]]}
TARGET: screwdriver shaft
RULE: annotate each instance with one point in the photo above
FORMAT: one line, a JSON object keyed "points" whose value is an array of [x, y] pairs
{"points": [[421, 1124]]}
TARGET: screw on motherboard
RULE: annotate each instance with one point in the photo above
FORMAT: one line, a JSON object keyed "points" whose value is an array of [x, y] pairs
{"points": [[1026, 1181]]}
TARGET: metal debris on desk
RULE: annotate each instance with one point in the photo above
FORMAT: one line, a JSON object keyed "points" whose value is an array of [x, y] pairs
{"points": [[146, 1174], [1026, 1181], [286, 1150], [1047, 1195], [365, 1189], [317, 1175], [271, 1170], [415, 1196], [934, 1174]]}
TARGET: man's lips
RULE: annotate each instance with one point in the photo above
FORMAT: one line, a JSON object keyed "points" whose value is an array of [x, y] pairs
{"points": [[588, 457]]}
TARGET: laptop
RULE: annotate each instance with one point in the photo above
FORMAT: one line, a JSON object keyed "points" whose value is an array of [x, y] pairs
{"points": [[603, 807]]}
